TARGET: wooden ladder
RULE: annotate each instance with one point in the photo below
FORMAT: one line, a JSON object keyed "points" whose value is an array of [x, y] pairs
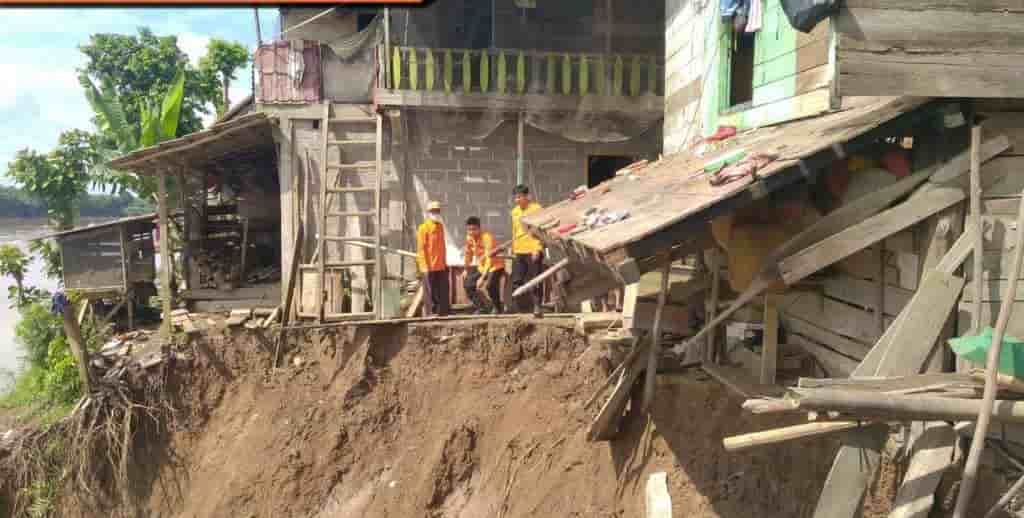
{"points": [[340, 188]]}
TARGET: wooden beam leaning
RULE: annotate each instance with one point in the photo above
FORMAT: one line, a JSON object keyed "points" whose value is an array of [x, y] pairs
{"points": [[541, 278], [872, 230], [655, 350], [602, 429]]}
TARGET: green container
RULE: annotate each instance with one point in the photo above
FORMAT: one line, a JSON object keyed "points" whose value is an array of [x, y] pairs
{"points": [[975, 348]]}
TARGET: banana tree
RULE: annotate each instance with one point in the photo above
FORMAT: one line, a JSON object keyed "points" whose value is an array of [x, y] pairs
{"points": [[157, 124]]}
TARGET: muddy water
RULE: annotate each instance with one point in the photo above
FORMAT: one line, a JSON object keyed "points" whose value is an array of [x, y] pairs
{"points": [[18, 232]]}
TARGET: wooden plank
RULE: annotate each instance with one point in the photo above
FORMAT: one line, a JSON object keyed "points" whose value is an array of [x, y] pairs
{"points": [[833, 315], [808, 104], [677, 319], [863, 293], [830, 250], [835, 364], [924, 74], [958, 6], [602, 428], [655, 350], [714, 266], [848, 347], [992, 291], [858, 459], [946, 29], [770, 341], [933, 454], [989, 310], [1006, 170], [926, 317], [995, 265], [1010, 124], [864, 265], [740, 382]]}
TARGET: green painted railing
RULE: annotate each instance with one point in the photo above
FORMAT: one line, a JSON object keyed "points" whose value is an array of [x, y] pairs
{"points": [[517, 72]]}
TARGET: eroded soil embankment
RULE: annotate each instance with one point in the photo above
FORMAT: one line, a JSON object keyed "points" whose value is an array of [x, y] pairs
{"points": [[451, 420]]}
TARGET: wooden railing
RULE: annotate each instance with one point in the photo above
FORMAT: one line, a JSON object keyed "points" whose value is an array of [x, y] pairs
{"points": [[517, 72]]}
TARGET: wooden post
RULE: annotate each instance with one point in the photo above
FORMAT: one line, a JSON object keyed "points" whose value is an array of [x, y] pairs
{"points": [[655, 350], [992, 361], [880, 290], [74, 334], [520, 145], [979, 237], [629, 304], [770, 341], [711, 306], [166, 260]]}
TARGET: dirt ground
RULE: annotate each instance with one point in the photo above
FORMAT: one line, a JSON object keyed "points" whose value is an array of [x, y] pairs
{"points": [[455, 421]]}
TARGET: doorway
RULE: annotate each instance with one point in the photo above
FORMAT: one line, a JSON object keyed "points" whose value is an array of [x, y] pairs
{"points": [[601, 168]]}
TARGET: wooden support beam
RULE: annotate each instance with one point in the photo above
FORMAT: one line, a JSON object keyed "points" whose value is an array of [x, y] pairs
{"points": [[166, 257], [714, 264], [770, 342], [541, 278], [655, 350], [890, 406], [870, 231], [603, 428], [74, 335]]}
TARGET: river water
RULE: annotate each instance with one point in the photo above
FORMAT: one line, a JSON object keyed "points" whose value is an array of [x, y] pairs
{"points": [[19, 232]]}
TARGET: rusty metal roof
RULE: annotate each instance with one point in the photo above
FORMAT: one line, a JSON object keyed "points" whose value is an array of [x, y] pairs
{"points": [[248, 137]]}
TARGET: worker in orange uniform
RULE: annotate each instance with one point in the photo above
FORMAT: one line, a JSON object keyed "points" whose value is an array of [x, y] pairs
{"points": [[433, 265], [482, 270], [528, 252]]}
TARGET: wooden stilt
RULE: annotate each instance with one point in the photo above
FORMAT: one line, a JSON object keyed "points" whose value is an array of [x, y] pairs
{"points": [[166, 257], [711, 306], [74, 335], [770, 342], [655, 350]]}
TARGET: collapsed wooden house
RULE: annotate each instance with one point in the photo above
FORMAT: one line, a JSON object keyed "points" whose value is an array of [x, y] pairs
{"points": [[840, 216]]}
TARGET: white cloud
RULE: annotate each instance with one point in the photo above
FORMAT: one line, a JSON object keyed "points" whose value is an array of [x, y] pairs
{"points": [[194, 45]]}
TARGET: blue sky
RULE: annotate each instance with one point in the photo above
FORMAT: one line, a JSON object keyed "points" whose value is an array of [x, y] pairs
{"points": [[39, 92]]}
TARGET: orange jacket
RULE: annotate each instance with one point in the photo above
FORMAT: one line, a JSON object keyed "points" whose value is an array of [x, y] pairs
{"points": [[480, 250], [430, 247]]}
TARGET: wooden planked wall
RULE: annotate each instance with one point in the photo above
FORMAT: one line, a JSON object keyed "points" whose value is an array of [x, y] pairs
{"points": [[792, 75], [909, 47], [1000, 203], [792, 72]]}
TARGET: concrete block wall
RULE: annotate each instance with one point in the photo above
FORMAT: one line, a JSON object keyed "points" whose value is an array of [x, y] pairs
{"points": [[476, 177]]}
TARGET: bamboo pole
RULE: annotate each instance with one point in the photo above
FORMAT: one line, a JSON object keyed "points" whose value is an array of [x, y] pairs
{"points": [[166, 256], [899, 407], [541, 278], [992, 363], [778, 435], [652, 354]]}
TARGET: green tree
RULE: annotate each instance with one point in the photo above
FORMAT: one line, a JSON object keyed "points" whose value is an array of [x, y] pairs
{"points": [[60, 178], [140, 68], [224, 58], [14, 263]]}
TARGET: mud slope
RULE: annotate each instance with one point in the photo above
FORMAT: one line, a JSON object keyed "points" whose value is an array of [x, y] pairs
{"points": [[467, 420]]}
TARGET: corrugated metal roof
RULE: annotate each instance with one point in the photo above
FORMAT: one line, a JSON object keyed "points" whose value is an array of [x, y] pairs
{"points": [[113, 223]]}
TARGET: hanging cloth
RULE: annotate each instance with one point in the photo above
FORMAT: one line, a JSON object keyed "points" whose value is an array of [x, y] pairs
{"points": [[754, 16], [728, 7]]}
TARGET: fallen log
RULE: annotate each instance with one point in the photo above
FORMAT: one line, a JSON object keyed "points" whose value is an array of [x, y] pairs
{"points": [[896, 407]]}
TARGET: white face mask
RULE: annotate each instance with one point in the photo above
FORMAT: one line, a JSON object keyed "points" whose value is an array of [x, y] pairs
{"points": [[434, 217]]}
